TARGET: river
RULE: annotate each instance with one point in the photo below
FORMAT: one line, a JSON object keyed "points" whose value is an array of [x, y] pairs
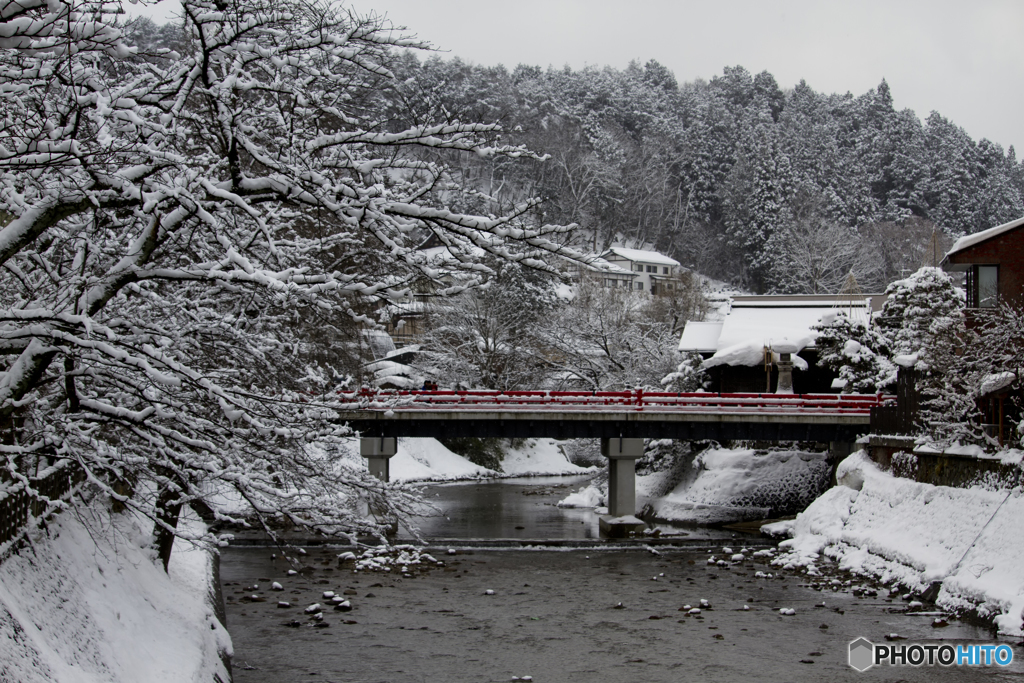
{"points": [[599, 613], [522, 509]]}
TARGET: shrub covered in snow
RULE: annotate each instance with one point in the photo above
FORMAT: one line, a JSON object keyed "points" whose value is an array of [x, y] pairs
{"points": [[913, 307], [858, 354]]}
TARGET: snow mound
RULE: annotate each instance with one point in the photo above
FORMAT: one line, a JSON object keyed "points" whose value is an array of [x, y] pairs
{"points": [[429, 460], [740, 484], [539, 457], [900, 530], [590, 496]]}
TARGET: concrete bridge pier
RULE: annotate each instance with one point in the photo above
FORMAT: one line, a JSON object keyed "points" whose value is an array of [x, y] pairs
{"points": [[622, 455], [378, 451]]}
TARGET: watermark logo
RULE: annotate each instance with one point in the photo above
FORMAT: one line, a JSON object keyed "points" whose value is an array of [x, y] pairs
{"points": [[864, 654]]}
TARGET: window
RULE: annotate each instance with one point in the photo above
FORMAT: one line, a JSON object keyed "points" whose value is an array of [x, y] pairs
{"points": [[988, 286], [609, 283], [664, 270], [639, 285], [652, 269], [983, 287], [639, 268], [670, 286]]}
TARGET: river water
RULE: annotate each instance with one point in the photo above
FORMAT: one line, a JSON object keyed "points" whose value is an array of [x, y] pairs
{"points": [[594, 614], [521, 509]]}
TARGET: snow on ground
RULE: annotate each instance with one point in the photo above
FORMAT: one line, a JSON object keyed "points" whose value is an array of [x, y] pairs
{"points": [[429, 460], [539, 457], [590, 496], [89, 602], [736, 484], [731, 484], [903, 531]]}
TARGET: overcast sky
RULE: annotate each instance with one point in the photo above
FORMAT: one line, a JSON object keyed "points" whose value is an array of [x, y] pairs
{"points": [[964, 60]]}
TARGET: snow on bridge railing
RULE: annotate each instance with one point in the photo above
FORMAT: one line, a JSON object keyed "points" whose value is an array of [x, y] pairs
{"points": [[635, 400]]}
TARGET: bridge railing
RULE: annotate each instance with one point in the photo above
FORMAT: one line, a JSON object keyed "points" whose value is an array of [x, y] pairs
{"points": [[638, 400]]}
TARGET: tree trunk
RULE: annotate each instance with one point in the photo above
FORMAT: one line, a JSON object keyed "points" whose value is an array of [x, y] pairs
{"points": [[167, 512]]}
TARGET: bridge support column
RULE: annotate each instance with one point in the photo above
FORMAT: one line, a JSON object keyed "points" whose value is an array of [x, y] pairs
{"points": [[378, 451], [622, 455]]}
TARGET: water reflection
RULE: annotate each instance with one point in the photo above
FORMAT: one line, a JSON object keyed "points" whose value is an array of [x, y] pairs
{"points": [[507, 508], [523, 509]]}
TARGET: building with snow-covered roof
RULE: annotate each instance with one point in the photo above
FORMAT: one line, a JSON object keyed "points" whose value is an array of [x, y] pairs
{"points": [[648, 271], [993, 261], [736, 348]]}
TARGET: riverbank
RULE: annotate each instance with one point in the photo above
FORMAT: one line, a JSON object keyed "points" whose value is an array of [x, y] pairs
{"points": [[915, 535], [580, 615], [428, 460], [87, 601], [719, 486]]}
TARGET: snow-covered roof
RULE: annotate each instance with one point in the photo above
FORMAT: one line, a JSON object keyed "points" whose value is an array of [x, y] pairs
{"points": [[700, 336], [968, 241], [783, 323], [600, 265], [641, 255]]}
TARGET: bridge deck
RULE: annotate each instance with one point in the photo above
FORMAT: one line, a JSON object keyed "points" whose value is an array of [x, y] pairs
{"points": [[635, 414]]}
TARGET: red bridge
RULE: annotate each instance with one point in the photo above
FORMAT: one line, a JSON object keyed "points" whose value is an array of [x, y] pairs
{"points": [[621, 419], [609, 414]]}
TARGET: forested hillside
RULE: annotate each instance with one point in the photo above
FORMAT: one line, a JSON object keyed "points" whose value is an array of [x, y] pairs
{"points": [[771, 189]]}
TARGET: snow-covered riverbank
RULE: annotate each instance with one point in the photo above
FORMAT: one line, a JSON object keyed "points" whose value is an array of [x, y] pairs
{"points": [[88, 602], [429, 460], [902, 531], [722, 485]]}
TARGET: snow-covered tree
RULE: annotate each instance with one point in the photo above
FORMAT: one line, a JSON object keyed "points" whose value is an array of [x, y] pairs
{"points": [[914, 305], [969, 365], [491, 336], [856, 353], [610, 339], [178, 219]]}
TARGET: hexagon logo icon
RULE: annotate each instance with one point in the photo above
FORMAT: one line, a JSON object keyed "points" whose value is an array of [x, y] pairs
{"points": [[862, 654]]}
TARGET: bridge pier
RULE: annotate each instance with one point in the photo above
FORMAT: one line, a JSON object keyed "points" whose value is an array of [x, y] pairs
{"points": [[622, 455], [378, 451]]}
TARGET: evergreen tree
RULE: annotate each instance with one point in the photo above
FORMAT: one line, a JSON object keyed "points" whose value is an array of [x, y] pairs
{"points": [[855, 352], [915, 309]]}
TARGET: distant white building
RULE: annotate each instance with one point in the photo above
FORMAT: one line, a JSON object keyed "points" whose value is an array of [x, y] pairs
{"points": [[641, 270]]}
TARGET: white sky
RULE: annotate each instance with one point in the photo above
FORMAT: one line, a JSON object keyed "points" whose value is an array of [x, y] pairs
{"points": [[964, 60]]}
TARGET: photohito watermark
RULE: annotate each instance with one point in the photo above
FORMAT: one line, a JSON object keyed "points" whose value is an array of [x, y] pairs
{"points": [[864, 654]]}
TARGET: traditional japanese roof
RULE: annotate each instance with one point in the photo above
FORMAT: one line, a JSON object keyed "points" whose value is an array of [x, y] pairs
{"points": [[968, 241], [701, 336], [781, 322], [639, 255]]}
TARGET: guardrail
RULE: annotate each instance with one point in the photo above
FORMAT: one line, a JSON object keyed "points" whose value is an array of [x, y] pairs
{"points": [[24, 508], [636, 400]]}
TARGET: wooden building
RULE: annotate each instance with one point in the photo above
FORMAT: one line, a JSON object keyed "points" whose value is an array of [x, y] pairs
{"points": [[993, 261]]}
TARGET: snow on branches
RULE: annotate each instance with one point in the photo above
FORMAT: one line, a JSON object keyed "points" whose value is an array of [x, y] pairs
{"points": [[913, 309], [857, 353], [175, 223]]}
